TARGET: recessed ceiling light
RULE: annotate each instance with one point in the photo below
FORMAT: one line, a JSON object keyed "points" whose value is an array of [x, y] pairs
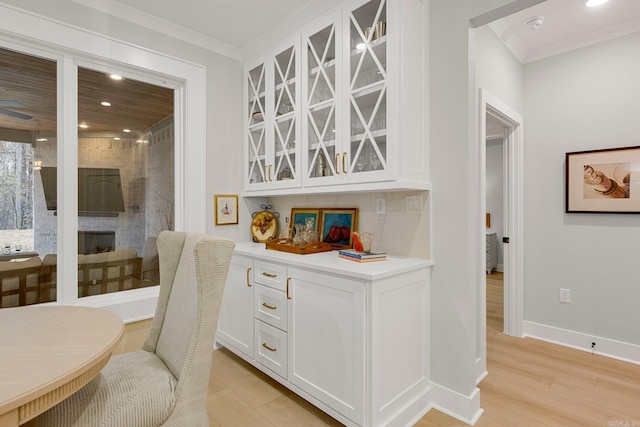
{"points": [[41, 139], [105, 103], [594, 3], [116, 138], [535, 23], [83, 126], [115, 77], [126, 130]]}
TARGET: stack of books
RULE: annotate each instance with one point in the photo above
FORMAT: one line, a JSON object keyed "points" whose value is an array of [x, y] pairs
{"points": [[357, 256]]}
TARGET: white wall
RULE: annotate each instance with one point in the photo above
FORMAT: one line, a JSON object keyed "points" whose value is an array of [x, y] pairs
{"points": [[582, 100], [497, 70], [455, 204]]}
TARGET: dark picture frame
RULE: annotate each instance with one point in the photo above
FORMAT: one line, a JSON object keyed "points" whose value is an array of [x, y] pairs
{"points": [[300, 215], [338, 225], [603, 181]]}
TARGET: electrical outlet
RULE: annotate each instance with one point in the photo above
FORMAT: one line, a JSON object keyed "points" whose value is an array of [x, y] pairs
{"points": [[413, 204], [565, 296], [380, 205]]}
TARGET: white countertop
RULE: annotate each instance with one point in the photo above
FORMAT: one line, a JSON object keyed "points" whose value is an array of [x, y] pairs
{"points": [[329, 262]]}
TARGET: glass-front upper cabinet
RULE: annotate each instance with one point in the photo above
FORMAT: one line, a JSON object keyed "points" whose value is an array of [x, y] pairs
{"points": [[322, 110], [351, 111], [345, 96], [272, 120], [366, 152]]}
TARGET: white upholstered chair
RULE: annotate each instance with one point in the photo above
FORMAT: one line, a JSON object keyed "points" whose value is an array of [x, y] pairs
{"points": [[165, 383]]}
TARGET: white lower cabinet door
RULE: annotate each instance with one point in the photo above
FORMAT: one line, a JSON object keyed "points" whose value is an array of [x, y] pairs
{"points": [[271, 348], [326, 340], [235, 323]]}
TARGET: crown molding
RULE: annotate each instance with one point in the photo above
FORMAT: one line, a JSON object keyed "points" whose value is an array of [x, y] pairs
{"points": [[151, 22]]}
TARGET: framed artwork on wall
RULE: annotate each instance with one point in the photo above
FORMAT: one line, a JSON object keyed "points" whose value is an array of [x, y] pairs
{"points": [[300, 216], [337, 226], [226, 209], [603, 181]]}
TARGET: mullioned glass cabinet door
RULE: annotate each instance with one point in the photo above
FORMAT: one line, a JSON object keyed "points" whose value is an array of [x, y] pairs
{"points": [[255, 117], [285, 117], [367, 91], [321, 95]]}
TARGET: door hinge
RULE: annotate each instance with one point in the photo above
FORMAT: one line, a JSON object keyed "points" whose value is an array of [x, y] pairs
{"points": [[505, 240]]}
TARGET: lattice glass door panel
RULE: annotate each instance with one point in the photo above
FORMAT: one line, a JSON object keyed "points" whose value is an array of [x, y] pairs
{"points": [[321, 102], [257, 156], [368, 88], [255, 119], [285, 153], [284, 67], [368, 132], [321, 143]]}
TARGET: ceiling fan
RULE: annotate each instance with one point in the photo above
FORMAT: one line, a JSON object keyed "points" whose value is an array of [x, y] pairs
{"points": [[11, 113]]}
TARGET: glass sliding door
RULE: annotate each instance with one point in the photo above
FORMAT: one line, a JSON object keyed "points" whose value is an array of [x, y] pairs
{"points": [[28, 225], [125, 180]]}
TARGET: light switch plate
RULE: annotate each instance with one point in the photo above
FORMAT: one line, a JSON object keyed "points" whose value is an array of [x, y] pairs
{"points": [[380, 205]]}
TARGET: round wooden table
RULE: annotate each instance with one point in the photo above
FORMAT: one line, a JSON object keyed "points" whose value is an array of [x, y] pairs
{"points": [[49, 352]]}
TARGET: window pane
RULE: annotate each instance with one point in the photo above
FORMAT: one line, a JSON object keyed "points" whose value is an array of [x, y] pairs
{"points": [[125, 181], [28, 228]]}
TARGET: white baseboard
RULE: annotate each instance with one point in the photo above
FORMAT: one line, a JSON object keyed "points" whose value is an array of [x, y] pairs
{"points": [[464, 408], [604, 346]]}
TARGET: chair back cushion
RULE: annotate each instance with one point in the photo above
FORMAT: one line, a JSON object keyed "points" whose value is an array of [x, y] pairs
{"points": [[181, 312]]}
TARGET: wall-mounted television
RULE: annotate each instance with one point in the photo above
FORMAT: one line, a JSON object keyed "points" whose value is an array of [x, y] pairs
{"points": [[99, 191]]}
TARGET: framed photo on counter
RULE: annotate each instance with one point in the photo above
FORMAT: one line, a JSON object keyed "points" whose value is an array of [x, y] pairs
{"points": [[337, 226]]}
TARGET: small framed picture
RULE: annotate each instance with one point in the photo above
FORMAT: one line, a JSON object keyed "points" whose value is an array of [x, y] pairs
{"points": [[226, 209], [299, 216], [337, 226], [603, 181]]}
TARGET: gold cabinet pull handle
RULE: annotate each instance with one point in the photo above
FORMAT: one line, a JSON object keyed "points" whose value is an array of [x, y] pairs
{"points": [[269, 275], [269, 173], [268, 348], [344, 168], [266, 177], [337, 164], [270, 307], [248, 273], [288, 280]]}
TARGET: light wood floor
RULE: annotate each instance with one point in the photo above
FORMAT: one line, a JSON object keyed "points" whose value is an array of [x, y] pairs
{"points": [[530, 383]]}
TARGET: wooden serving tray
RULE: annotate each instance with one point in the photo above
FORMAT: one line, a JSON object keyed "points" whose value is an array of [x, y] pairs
{"points": [[311, 248]]}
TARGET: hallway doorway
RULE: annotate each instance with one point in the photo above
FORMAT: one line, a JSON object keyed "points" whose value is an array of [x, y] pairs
{"points": [[501, 116]]}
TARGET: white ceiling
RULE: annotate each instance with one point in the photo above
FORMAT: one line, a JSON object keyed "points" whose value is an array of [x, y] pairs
{"points": [[229, 25], [568, 25]]}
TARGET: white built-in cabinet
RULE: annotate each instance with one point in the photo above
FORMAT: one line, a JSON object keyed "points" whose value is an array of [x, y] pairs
{"points": [[338, 106], [352, 339], [235, 324], [327, 339]]}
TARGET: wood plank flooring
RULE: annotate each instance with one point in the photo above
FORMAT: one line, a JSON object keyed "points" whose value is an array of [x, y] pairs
{"points": [[530, 383]]}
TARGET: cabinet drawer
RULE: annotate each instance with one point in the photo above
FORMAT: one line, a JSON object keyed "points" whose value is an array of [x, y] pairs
{"points": [[268, 274], [270, 306], [271, 348]]}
